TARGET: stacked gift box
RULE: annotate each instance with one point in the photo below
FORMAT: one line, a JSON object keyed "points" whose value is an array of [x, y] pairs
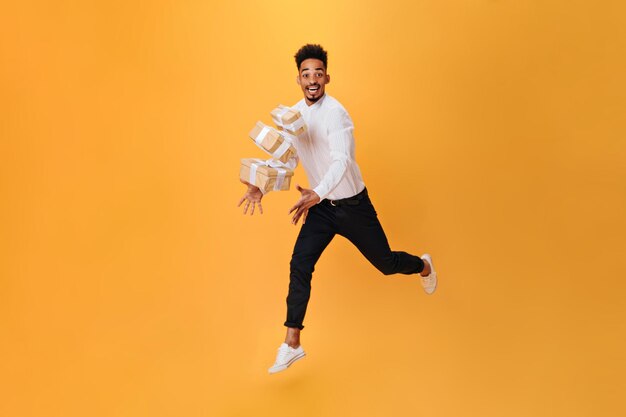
{"points": [[275, 173], [267, 175], [288, 120], [273, 142]]}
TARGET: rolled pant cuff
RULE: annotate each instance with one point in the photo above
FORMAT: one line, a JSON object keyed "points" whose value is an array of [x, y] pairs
{"points": [[291, 324]]}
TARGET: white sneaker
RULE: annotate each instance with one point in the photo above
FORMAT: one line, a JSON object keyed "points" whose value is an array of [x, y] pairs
{"points": [[429, 282], [286, 356]]}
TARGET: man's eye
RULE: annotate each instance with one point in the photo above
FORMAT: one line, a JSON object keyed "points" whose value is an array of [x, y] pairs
{"points": [[306, 75]]}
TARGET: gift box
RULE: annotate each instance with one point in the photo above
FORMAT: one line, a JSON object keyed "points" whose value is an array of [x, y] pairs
{"points": [[273, 142], [267, 175], [288, 119]]}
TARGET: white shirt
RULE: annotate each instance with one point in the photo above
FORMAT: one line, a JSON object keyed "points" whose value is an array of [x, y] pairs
{"points": [[326, 149]]}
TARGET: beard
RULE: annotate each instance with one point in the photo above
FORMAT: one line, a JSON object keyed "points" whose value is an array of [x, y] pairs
{"points": [[312, 99]]}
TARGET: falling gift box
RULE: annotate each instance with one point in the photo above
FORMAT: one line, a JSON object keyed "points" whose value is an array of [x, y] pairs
{"points": [[267, 175], [273, 142], [288, 119]]}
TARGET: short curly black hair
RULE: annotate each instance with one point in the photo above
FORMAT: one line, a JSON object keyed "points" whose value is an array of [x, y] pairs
{"points": [[311, 51]]}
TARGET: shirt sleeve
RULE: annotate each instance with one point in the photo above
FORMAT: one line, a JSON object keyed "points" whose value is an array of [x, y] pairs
{"points": [[341, 141]]}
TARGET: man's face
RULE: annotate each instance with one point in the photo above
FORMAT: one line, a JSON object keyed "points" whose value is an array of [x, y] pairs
{"points": [[312, 78]]}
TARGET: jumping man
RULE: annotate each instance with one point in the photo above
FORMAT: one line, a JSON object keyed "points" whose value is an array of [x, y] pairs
{"points": [[337, 204]]}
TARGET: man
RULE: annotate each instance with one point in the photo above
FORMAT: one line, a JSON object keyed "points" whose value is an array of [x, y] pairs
{"points": [[338, 203]]}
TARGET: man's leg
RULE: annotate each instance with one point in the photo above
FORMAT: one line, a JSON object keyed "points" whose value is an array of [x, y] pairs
{"points": [[360, 225], [314, 236], [292, 338]]}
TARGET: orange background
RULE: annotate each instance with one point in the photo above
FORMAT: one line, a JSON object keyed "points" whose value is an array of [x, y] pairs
{"points": [[489, 133]]}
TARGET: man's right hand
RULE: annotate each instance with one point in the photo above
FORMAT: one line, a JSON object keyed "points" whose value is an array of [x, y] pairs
{"points": [[252, 196]]}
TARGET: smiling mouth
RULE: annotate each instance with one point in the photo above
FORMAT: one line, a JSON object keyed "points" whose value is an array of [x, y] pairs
{"points": [[313, 89]]}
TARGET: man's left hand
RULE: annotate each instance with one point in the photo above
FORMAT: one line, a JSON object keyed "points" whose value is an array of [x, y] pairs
{"points": [[308, 199]]}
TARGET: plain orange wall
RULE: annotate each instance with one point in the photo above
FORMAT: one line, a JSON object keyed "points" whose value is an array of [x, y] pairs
{"points": [[489, 133]]}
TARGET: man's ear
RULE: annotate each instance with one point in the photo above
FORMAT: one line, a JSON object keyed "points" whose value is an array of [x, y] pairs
{"points": [[298, 79], [327, 78]]}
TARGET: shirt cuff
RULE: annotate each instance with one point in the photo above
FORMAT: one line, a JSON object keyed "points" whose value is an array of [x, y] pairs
{"points": [[319, 190]]}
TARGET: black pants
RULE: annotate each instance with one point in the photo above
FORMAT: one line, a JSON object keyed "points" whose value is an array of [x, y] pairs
{"points": [[356, 220]]}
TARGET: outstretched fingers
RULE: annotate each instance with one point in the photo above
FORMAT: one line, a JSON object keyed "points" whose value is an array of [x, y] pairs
{"points": [[301, 211], [295, 207]]}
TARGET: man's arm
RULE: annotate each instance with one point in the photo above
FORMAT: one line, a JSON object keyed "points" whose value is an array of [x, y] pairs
{"points": [[341, 141]]}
